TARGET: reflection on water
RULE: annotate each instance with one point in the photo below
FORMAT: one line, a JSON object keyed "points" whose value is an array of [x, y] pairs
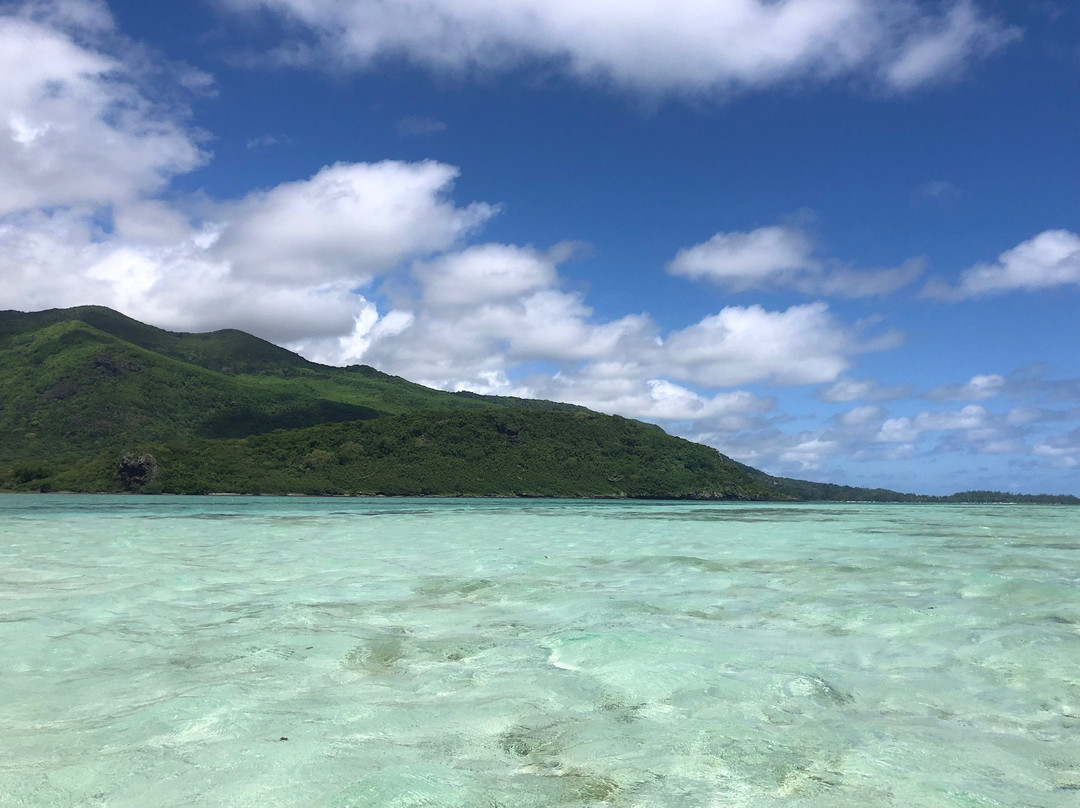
{"points": [[297, 652]]}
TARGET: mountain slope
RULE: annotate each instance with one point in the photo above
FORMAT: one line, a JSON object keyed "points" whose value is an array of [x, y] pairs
{"points": [[69, 387]]}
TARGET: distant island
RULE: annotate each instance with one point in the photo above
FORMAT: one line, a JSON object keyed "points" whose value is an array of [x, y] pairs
{"points": [[95, 401]]}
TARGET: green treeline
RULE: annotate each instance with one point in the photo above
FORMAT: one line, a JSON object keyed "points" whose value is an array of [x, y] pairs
{"points": [[546, 453]]}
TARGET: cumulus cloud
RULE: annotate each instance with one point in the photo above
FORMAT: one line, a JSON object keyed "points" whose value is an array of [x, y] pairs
{"points": [[807, 454], [868, 435], [883, 439], [844, 390], [75, 128], [451, 341], [801, 345], [986, 385], [650, 45], [480, 315], [483, 275], [748, 260], [862, 416], [349, 221], [942, 44], [284, 264], [84, 151], [486, 308], [764, 445], [906, 429], [652, 399], [1063, 450], [783, 257], [1050, 259]]}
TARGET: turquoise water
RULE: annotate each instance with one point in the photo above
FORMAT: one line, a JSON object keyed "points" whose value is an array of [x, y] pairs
{"points": [[160, 651]]}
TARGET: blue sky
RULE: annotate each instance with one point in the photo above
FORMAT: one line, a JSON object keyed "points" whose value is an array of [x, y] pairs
{"points": [[835, 239]]}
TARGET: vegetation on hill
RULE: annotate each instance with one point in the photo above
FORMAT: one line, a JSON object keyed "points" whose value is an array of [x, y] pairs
{"points": [[96, 401], [500, 452]]}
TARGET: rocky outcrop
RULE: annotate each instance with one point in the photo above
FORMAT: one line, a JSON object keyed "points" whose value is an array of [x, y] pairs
{"points": [[137, 471]]}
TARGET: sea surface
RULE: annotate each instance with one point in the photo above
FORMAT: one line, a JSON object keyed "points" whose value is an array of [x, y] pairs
{"points": [[215, 651]]}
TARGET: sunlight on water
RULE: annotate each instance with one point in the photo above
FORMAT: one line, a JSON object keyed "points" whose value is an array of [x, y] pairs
{"points": [[300, 652]]}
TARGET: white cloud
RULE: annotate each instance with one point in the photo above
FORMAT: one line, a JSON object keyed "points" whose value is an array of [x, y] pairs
{"points": [[1050, 259], [747, 260], [284, 264], [350, 221], [768, 448], [1063, 451], [484, 274], [739, 345], [944, 44], [650, 45], [489, 307], [877, 441], [482, 314], [849, 390], [783, 257], [59, 259], [862, 416], [841, 281], [844, 390], [652, 399], [983, 386], [75, 129], [896, 430], [808, 454]]}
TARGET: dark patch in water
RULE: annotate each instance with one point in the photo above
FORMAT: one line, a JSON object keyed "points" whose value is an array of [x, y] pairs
{"points": [[377, 655], [530, 742], [819, 690], [1057, 618], [623, 711], [439, 585]]}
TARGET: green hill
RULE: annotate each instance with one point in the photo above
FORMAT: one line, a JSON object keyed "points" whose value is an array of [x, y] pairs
{"points": [[96, 401]]}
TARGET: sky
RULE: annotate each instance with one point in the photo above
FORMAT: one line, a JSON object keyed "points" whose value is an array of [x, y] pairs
{"points": [[837, 240]]}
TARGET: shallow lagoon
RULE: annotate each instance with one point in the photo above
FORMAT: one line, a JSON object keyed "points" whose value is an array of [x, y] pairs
{"points": [[159, 651]]}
